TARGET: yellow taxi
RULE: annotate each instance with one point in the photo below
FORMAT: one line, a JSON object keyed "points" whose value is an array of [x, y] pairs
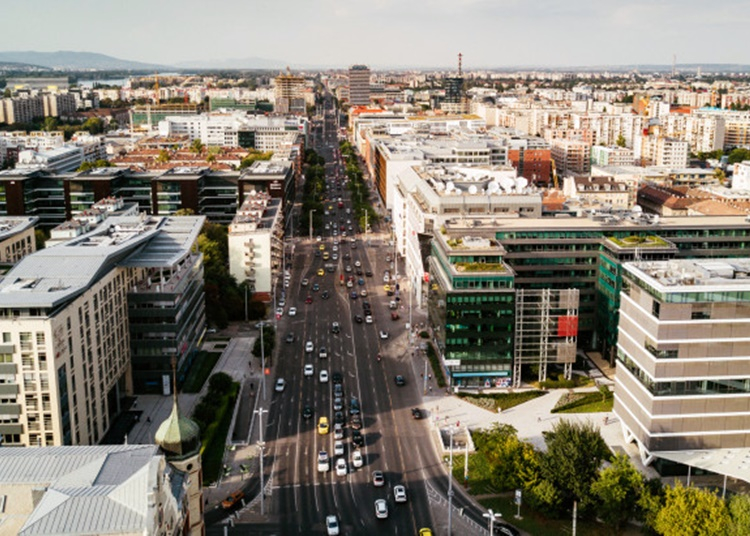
{"points": [[321, 272], [425, 532], [322, 247], [387, 288], [323, 425]]}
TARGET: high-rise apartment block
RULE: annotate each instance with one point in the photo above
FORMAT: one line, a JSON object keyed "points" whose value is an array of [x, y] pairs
{"points": [[359, 85], [288, 93]]}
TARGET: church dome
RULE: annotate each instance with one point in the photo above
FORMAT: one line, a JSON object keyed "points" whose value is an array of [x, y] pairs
{"points": [[178, 436]]}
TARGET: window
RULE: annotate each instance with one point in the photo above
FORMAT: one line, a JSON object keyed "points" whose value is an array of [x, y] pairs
{"points": [[656, 308]]}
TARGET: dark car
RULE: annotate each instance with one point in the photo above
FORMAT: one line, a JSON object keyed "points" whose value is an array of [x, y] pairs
{"points": [[338, 418], [337, 377], [505, 530], [338, 390], [394, 315], [358, 319], [353, 295], [400, 380], [368, 273], [289, 337], [325, 295], [359, 272], [357, 438], [317, 253], [416, 413], [361, 281], [307, 412], [365, 304], [315, 287], [356, 421], [354, 406]]}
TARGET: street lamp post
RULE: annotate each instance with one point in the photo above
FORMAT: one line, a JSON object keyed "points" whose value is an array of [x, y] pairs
{"points": [[492, 516], [450, 486], [262, 360], [261, 444], [311, 222]]}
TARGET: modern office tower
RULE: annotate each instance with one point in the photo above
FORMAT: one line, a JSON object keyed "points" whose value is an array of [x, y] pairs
{"points": [[359, 85], [71, 317], [288, 94], [684, 358]]}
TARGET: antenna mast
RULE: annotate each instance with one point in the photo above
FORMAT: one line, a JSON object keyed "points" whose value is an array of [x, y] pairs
{"points": [[459, 64]]}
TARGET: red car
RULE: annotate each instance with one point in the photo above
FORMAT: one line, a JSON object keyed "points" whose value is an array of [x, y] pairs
{"points": [[394, 315], [308, 299]]}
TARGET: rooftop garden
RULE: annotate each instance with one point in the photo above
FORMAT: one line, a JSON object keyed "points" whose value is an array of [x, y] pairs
{"points": [[480, 267], [640, 242]]}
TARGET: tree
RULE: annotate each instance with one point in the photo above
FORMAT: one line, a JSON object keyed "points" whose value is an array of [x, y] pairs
{"points": [[739, 155], [739, 511], [7, 93], [692, 511], [184, 212], [620, 141], [720, 175], [163, 157], [504, 453], [40, 238], [269, 338], [575, 452], [616, 492], [220, 382], [94, 125], [254, 156], [100, 163], [196, 146]]}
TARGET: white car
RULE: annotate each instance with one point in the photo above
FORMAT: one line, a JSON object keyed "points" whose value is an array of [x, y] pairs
{"points": [[280, 385], [279, 311], [292, 311], [362, 293], [338, 448], [323, 353], [399, 493], [338, 431], [368, 319], [381, 509], [323, 462], [386, 279], [282, 302], [341, 468], [357, 460], [323, 376], [309, 347], [383, 334], [309, 370], [332, 525], [357, 264]]}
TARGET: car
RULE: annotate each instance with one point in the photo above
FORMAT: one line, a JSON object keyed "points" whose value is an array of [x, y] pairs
{"points": [[353, 295], [416, 413], [323, 376], [309, 370], [356, 422], [305, 282], [368, 319], [341, 467], [338, 448], [400, 380], [365, 304], [309, 347], [399, 494], [324, 464], [289, 337], [383, 334], [357, 264], [307, 412], [315, 287], [292, 311], [354, 408], [322, 353], [349, 284], [505, 530], [354, 243], [317, 253], [386, 279], [323, 425], [387, 258], [322, 247], [381, 509], [233, 500], [339, 417], [368, 273], [286, 283], [363, 293], [360, 282], [280, 385], [308, 300], [387, 288], [357, 460], [338, 431], [348, 269], [321, 272], [378, 479], [425, 532], [325, 295], [338, 390], [389, 292], [347, 256], [335, 328], [334, 257], [332, 525], [394, 315], [358, 319], [335, 247], [318, 238], [279, 312], [282, 302], [337, 377]]}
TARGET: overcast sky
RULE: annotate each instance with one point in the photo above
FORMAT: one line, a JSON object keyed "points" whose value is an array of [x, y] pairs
{"points": [[489, 33]]}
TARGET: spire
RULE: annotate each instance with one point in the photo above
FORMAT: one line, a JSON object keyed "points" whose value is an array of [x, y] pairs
{"points": [[178, 436]]}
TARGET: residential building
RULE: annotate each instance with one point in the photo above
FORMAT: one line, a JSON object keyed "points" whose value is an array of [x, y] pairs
{"points": [[62, 159], [256, 242], [571, 156], [598, 192], [17, 239], [58, 104], [681, 387], [655, 150], [18, 110], [359, 85], [288, 93], [72, 332], [611, 156]]}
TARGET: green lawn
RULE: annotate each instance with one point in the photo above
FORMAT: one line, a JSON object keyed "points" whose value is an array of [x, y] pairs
{"points": [[200, 371], [491, 402], [585, 403], [534, 523]]}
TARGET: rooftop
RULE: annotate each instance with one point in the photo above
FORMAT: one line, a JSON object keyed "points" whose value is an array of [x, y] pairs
{"points": [[681, 274]]}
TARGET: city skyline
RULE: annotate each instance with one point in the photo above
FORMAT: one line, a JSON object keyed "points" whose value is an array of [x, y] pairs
{"points": [[410, 33]]}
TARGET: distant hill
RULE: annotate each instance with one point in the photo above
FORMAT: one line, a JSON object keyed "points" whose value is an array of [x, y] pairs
{"points": [[67, 60]]}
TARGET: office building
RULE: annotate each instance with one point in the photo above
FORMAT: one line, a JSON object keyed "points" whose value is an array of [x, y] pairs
{"points": [[78, 330], [60, 160], [683, 351], [359, 85]]}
